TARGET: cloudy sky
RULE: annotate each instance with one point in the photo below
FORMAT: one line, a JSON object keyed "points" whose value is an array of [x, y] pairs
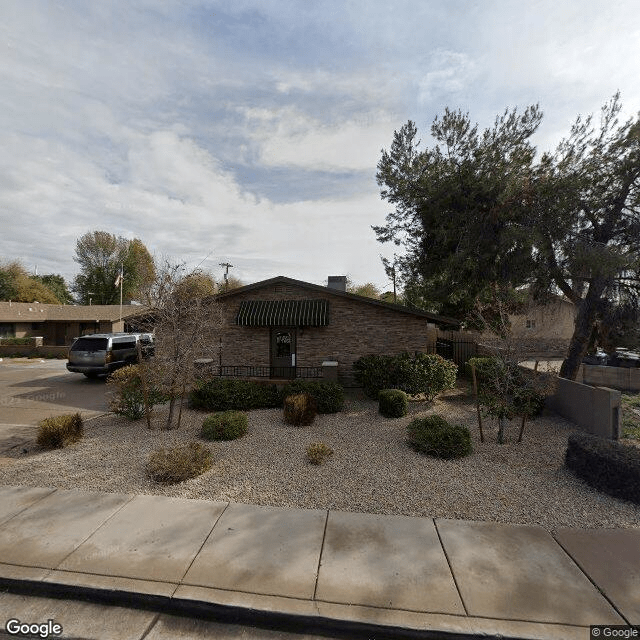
{"points": [[249, 131]]}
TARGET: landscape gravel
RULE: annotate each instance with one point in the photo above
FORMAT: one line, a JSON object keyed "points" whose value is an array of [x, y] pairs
{"points": [[371, 470]]}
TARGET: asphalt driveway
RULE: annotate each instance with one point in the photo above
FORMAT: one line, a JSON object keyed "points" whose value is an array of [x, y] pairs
{"points": [[31, 390]]}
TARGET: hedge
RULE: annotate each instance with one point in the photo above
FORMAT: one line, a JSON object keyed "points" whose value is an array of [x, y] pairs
{"points": [[422, 373], [221, 394], [606, 465], [329, 396]]}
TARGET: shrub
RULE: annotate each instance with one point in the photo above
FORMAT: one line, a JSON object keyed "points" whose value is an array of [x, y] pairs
{"points": [[59, 431], [128, 395], [373, 373], [329, 396], [317, 452], [421, 373], [392, 403], [128, 398], [175, 464], [220, 394], [427, 373], [507, 390], [225, 426], [434, 436], [487, 368], [606, 465], [17, 341], [300, 409]]}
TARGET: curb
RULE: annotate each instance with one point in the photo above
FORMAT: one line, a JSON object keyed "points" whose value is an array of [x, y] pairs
{"points": [[269, 620]]}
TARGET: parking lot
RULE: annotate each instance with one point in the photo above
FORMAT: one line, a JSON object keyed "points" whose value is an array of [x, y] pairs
{"points": [[31, 390]]}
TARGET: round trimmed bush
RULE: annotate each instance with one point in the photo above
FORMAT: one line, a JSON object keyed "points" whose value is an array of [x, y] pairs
{"points": [[175, 464], [434, 436], [228, 425], [392, 403]]}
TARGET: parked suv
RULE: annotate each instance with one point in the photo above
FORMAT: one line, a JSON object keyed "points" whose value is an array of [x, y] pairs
{"points": [[102, 353]]}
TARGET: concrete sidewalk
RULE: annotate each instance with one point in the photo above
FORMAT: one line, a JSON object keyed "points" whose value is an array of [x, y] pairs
{"points": [[318, 571]]}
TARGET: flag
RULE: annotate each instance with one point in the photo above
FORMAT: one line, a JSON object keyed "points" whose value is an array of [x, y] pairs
{"points": [[119, 279]]}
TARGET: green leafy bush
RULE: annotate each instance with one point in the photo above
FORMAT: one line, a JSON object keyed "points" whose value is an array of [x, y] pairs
{"points": [[59, 431], [392, 403], [17, 341], [329, 396], [487, 368], [606, 465], [422, 373], [175, 464], [434, 436], [225, 426], [220, 394], [374, 373], [317, 452], [300, 409], [128, 394]]}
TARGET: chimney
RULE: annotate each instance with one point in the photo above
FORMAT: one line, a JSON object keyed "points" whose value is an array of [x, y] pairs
{"points": [[339, 283]]}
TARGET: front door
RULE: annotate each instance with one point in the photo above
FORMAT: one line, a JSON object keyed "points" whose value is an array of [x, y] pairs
{"points": [[283, 352]]}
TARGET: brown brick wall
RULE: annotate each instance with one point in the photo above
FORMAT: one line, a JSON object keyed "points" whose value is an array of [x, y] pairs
{"points": [[355, 329]]}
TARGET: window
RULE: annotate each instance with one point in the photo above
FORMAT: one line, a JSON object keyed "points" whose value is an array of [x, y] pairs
{"points": [[283, 344], [87, 328], [531, 324], [90, 344], [7, 330], [120, 346]]}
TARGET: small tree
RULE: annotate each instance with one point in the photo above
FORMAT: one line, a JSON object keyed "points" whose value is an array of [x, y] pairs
{"points": [[503, 387], [186, 321]]}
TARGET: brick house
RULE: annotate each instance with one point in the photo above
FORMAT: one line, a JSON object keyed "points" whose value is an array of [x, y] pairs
{"points": [[59, 324], [275, 325]]}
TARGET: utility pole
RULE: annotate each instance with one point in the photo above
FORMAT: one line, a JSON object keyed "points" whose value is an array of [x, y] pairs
{"points": [[393, 275], [226, 273], [119, 281]]}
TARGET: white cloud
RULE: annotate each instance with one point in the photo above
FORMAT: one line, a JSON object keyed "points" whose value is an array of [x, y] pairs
{"points": [[290, 138]]}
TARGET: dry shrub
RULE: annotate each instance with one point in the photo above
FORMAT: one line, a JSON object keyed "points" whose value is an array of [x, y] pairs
{"points": [[60, 431], [228, 425], [300, 409], [317, 452], [175, 464]]}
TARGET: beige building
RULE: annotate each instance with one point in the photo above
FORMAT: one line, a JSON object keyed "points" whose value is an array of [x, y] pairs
{"points": [[59, 324], [542, 328]]}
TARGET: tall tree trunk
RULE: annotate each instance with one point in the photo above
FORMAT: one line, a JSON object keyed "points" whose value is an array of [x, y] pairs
{"points": [[585, 322]]}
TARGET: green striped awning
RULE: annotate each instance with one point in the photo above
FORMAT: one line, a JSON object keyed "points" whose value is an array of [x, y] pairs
{"points": [[292, 313]]}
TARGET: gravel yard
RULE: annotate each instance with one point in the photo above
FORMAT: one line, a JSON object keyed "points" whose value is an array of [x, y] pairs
{"points": [[372, 469]]}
